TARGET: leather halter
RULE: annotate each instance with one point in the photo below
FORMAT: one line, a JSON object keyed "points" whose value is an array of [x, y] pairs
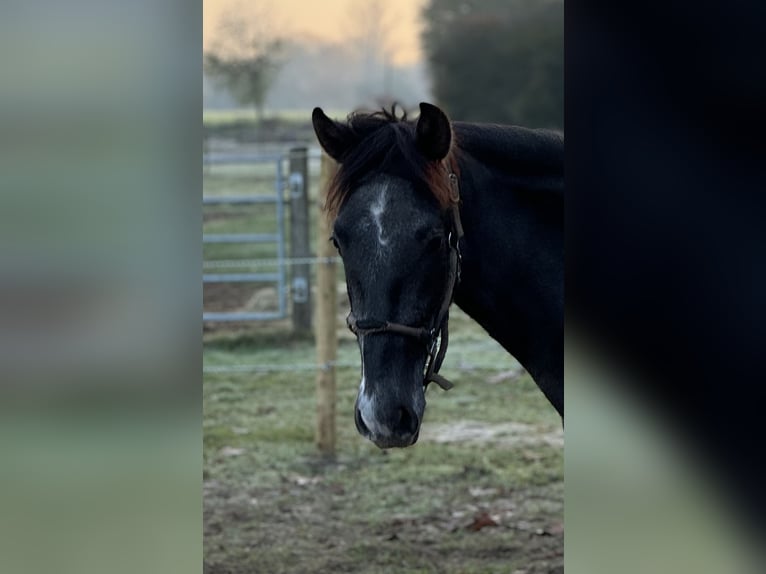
{"points": [[439, 332]]}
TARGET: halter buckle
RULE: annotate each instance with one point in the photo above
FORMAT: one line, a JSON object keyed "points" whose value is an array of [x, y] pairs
{"points": [[453, 187]]}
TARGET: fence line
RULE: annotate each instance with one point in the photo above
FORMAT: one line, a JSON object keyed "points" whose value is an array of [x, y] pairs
{"points": [[286, 262], [302, 367], [275, 368]]}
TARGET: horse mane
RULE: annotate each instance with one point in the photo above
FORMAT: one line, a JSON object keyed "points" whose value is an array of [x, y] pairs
{"points": [[385, 141]]}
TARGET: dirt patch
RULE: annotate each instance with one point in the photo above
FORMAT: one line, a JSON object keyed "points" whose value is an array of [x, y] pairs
{"points": [[239, 297], [229, 297], [383, 513], [522, 530]]}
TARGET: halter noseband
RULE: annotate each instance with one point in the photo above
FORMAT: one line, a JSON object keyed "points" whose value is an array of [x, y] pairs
{"points": [[440, 331]]}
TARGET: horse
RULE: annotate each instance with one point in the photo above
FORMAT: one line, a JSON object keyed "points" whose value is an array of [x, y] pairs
{"points": [[432, 211]]}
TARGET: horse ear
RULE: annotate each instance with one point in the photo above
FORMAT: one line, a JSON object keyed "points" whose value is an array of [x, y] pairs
{"points": [[433, 133], [335, 138]]}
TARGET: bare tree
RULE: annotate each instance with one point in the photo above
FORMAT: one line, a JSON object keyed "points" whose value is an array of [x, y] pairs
{"points": [[245, 58]]}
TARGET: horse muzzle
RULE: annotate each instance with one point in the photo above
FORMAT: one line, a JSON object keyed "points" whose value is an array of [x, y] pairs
{"points": [[396, 427]]}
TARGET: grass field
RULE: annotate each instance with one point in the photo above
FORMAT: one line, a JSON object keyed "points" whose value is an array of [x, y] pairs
{"points": [[481, 491]]}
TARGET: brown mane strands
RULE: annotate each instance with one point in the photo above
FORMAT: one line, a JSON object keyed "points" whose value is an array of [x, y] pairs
{"points": [[384, 139]]}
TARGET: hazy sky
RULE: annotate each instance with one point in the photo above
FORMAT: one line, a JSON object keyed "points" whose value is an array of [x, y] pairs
{"points": [[333, 20]]}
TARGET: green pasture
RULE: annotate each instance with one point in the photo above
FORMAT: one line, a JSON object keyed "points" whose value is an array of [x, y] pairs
{"points": [[272, 504]]}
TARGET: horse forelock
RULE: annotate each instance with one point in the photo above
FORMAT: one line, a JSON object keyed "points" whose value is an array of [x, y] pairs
{"points": [[386, 142]]}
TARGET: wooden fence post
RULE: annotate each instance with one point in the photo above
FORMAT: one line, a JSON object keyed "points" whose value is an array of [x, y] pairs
{"points": [[325, 325], [299, 239]]}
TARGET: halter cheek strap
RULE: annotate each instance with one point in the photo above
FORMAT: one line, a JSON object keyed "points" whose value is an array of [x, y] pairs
{"points": [[440, 332]]}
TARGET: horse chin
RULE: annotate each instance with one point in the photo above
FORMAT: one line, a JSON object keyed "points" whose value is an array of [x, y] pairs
{"points": [[393, 442], [385, 443]]}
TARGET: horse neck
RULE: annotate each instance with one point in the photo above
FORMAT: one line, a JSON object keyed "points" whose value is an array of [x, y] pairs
{"points": [[512, 267]]}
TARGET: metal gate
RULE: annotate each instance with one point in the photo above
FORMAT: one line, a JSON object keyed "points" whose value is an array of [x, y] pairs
{"points": [[277, 277]]}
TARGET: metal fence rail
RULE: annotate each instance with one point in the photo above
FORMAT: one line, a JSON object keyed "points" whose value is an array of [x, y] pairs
{"points": [[243, 237], [277, 199], [236, 199], [253, 263]]}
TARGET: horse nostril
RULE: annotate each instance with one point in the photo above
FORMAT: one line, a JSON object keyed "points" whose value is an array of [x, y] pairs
{"points": [[360, 426], [407, 423]]}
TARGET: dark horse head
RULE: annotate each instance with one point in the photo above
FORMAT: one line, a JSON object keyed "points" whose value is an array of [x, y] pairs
{"points": [[394, 232], [401, 197]]}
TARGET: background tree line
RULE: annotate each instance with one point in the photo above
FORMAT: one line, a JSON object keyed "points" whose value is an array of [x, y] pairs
{"points": [[488, 60], [497, 60]]}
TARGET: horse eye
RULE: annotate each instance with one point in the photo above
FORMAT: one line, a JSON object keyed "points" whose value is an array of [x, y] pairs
{"points": [[335, 243]]}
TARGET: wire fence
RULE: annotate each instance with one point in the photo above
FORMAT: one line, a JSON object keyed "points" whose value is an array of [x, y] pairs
{"points": [[493, 358], [275, 368], [458, 356], [252, 263], [304, 367]]}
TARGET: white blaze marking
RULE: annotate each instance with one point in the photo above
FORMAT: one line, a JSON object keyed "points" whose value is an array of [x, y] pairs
{"points": [[377, 210], [366, 401], [366, 404]]}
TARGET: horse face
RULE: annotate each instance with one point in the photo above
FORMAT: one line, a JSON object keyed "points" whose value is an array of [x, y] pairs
{"points": [[391, 234], [394, 247]]}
